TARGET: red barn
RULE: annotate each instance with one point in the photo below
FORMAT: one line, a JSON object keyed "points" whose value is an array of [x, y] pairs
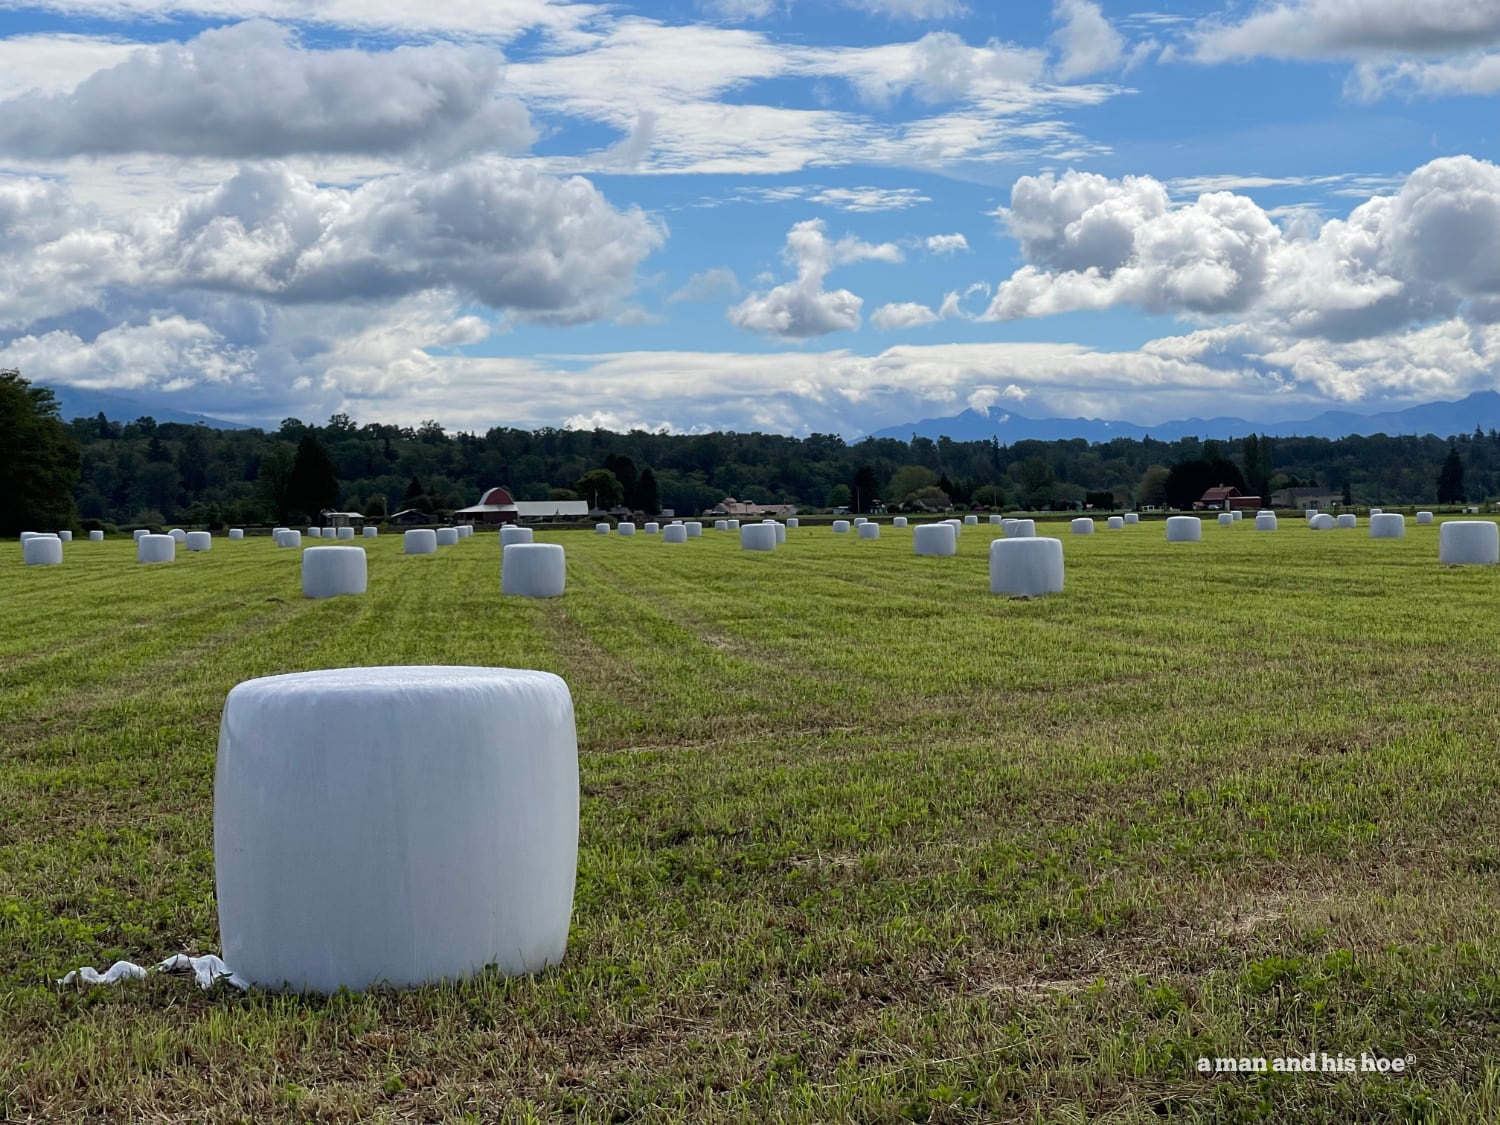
{"points": [[495, 506]]}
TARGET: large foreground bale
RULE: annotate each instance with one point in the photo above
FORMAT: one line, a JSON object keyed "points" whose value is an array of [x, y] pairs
{"points": [[674, 533], [1184, 529], [1387, 525], [199, 541], [533, 570], [1469, 543], [419, 541], [155, 549], [512, 534], [1026, 568], [395, 826], [447, 537], [42, 550], [1020, 529], [328, 572], [869, 531], [757, 537], [1082, 526], [934, 539], [1265, 521]]}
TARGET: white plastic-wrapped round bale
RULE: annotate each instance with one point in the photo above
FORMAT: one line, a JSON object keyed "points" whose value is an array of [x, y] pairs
{"points": [[430, 831], [42, 550], [1348, 519], [65, 536], [694, 529], [731, 525], [1225, 518], [652, 527], [721, 525], [971, 520], [275, 531], [674, 533], [937, 539], [1376, 511], [1236, 515], [288, 537], [447, 537], [1132, 518], [140, 533], [793, 521], [780, 532], [1265, 521], [859, 520], [512, 534], [599, 529], [956, 524], [466, 531], [315, 533], [371, 532], [1424, 517], [236, 533], [996, 520], [155, 549], [1082, 526], [1322, 521], [419, 541], [1387, 525], [345, 533], [1026, 568], [625, 528], [899, 521], [1115, 523], [1184, 529], [533, 570], [96, 537], [1469, 543], [178, 534], [841, 527], [1309, 513], [1021, 529], [869, 531], [328, 572], [757, 537], [200, 541], [25, 535]]}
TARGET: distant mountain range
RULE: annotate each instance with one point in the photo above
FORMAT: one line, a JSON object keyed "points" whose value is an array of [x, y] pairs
{"points": [[76, 403], [1444, 419]]}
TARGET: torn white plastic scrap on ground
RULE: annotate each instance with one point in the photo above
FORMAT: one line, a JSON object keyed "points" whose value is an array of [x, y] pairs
{"points": [[206, 971]]}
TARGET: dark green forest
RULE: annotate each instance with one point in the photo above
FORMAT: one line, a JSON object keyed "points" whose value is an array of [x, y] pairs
{"points": [[144, 472]]}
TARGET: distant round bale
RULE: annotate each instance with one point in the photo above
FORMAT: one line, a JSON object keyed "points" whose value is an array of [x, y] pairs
{"points": [[1376, 511], [1424, 517], [1083, 526], [1387, 525], [1225, 518], [721, 525], [599, 529], [1184, 529], [275, 531], [757, 537], [236, 533], [899, 521], [345, 533], [533, 570], [1348, 519], [869, 531], [178, 534], [512, 534], [65, 536], [780, 532], [626, 528], [199, 541], [1132, 517], [1469, 543], [956, 524], [25, 535], [442, 840], [937, 539], [328, 572], [1265, 521], [1309, 513], [674, 533], [155, 549], [793, 521], [140, 533], [1021, 529], [858, 520], [419, 541], [652, 527], [96, 537], [1026, 568], [971, 520], [1115, 523], [447, 537], [288, 537], [315, 533], [841, 527], [996, 519], [1322, 521], [694, 529], [42, 550], [371, 532], [466, 531], [731, 525], [1236, 515]]}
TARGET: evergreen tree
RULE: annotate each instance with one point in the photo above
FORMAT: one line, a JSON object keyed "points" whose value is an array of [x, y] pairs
{"points": [[648, 499], [314, 482], [39, 461], [1450, 482]]}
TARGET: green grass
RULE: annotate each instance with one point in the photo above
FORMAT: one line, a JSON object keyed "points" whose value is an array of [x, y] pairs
{"points": [[860, 842]]}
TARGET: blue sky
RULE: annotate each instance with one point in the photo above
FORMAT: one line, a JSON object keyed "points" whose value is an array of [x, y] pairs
{"points": [[751, 214]]}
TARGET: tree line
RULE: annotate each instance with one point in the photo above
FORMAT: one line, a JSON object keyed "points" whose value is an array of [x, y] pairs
{"points": [[145, 472]]}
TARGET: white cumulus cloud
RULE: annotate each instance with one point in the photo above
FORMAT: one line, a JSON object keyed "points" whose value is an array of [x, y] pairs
{"points": [[906, 314], [1087, 42]]}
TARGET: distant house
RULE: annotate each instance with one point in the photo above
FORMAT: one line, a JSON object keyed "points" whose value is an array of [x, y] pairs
{"points": [[1305, 498], [1226, 497], [410, 516], [495, 506], [342, 519], [738, 509]]}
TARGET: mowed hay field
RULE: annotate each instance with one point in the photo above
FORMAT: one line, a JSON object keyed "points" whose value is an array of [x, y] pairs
{"points": [[860, 842]]}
